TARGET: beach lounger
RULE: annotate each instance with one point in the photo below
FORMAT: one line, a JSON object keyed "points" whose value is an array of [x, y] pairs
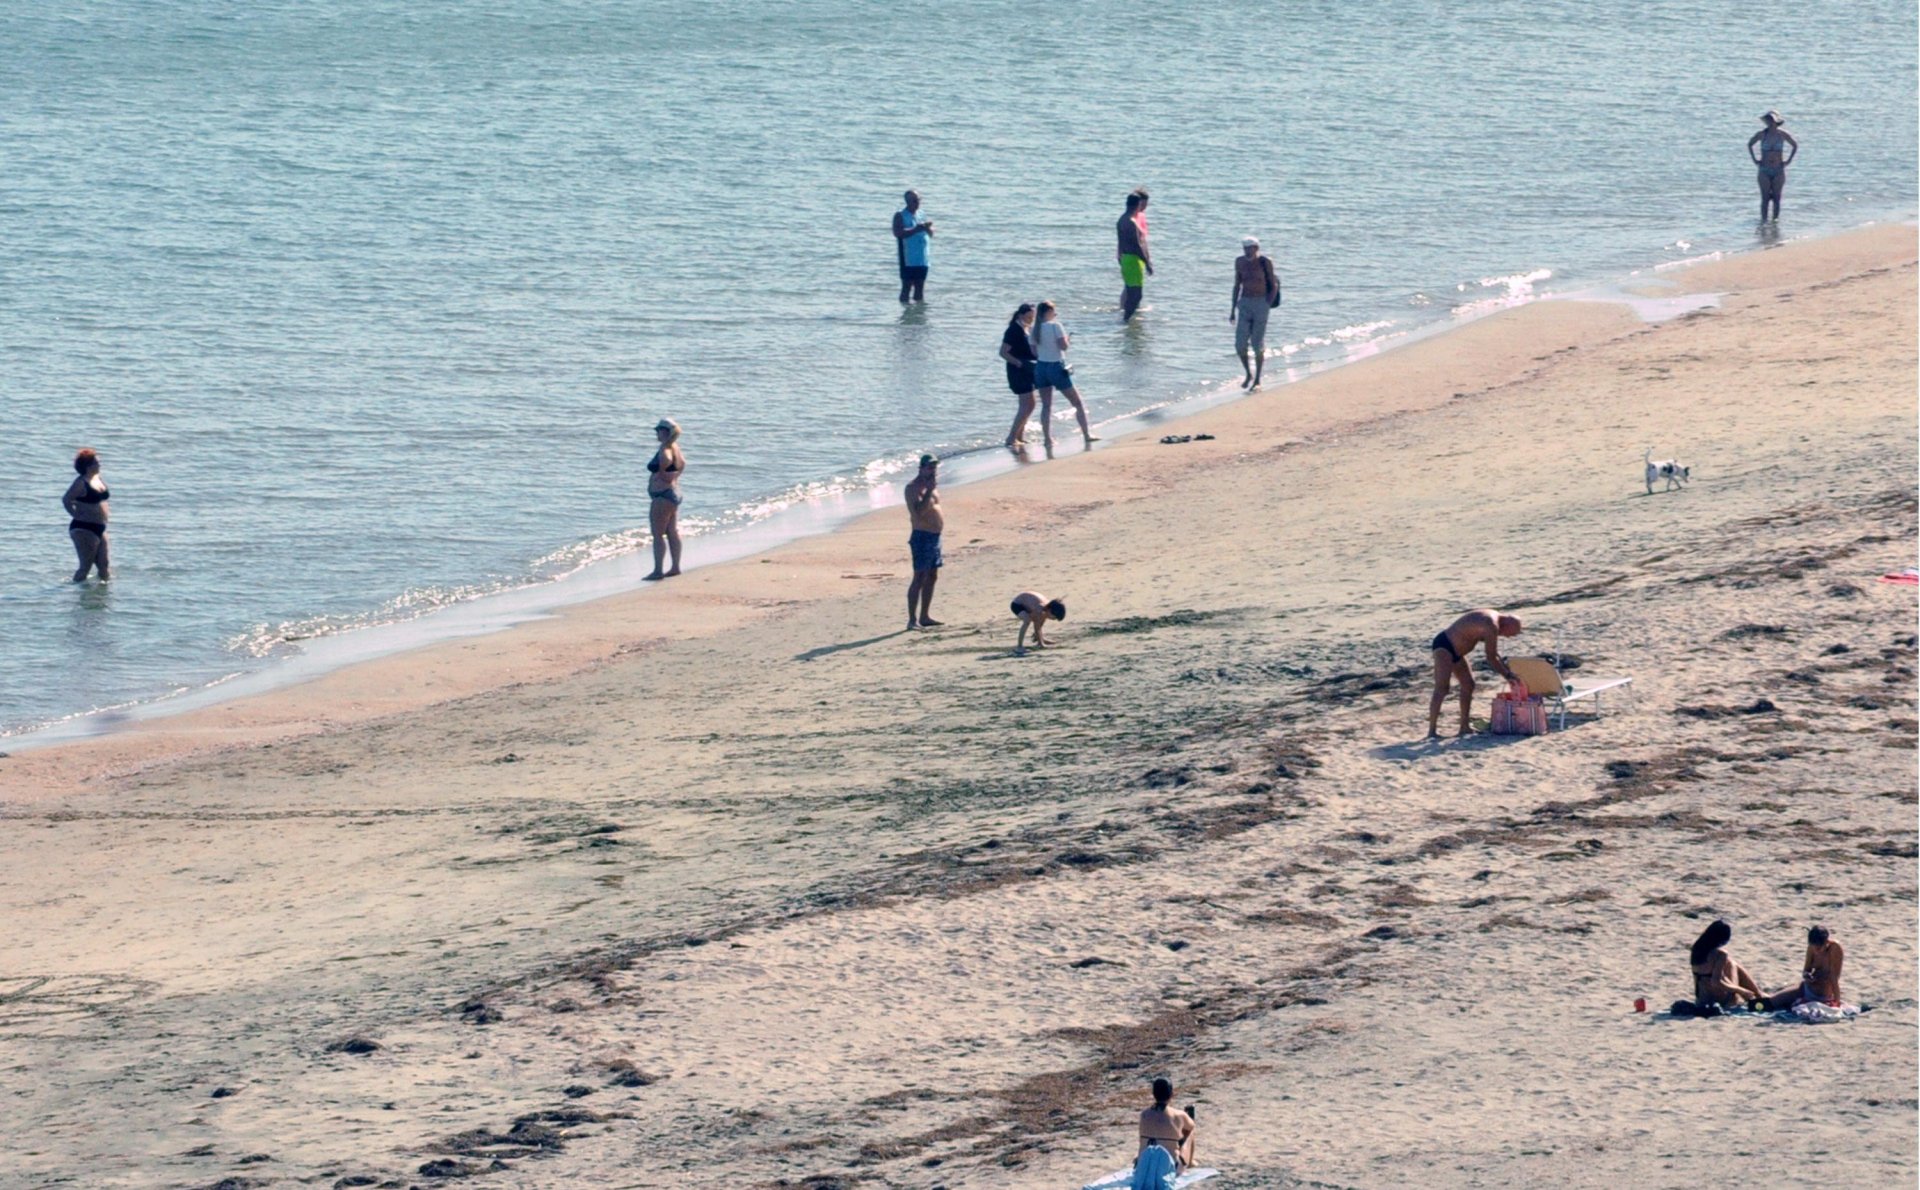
{"points": [[1542, 677]]}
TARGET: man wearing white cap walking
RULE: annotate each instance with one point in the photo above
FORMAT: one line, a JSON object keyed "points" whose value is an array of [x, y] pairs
{"points": [[1256, 291]]}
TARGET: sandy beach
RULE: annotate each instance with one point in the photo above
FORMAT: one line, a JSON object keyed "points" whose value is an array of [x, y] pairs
{"points": [[734, 883]]}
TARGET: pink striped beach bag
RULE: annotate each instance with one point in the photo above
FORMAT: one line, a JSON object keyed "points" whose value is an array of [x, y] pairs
{"points": [[1515, 712]]}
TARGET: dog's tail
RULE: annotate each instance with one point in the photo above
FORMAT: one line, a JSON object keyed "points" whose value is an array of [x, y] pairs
{"points": [[1649, 455]]}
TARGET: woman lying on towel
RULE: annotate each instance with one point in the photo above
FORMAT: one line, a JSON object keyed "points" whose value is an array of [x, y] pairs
{"points": [[1717, 979], [1820, 975]]}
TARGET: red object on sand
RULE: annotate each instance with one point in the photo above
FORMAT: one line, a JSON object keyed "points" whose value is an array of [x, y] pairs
{"points": [[1910, 578], [1639, 1005]]}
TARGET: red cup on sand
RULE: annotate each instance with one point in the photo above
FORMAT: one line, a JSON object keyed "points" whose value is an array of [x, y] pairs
{"points": [[1640, 1005]]}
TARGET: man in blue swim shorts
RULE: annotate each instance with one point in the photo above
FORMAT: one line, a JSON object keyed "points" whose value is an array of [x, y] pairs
{"points": [[923, 506]]}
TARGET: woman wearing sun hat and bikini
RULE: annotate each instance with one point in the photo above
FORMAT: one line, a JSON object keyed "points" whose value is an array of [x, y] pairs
{"points": [[663, 497], [1773, 150]]}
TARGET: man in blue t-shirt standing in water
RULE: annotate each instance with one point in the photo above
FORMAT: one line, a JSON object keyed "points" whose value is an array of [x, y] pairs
{"points": [[910, 235]]}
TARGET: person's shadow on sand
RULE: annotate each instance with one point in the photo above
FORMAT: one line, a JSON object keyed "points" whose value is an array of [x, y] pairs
{"points": [[1425, 749], [829, 650]]}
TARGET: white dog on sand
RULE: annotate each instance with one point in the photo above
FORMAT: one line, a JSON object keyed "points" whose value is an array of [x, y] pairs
{"points": [[1672, 470]]}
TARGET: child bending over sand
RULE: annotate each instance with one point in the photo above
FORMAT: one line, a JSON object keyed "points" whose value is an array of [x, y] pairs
{"points": [[1033, 611]]}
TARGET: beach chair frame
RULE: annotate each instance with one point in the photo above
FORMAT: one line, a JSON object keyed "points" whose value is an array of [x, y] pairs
{"points": [[1559, 694]]}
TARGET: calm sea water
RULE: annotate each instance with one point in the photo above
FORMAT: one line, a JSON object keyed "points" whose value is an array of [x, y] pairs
{"points": [[368, 305]]}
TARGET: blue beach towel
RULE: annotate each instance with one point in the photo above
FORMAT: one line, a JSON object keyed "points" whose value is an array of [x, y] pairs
{"points": [[1154, 1170], [1122, 1179]]}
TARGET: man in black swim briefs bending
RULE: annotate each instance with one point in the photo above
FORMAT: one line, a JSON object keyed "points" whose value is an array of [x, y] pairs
{"points": [[1483, 626]]}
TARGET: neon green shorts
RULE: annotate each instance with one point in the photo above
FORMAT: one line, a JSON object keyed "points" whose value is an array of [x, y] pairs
{"points": [[1133, 271]]}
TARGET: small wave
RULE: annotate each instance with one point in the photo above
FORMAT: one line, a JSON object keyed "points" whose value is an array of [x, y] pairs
{"points": [[1512, 283], [1360, 330], [278, 640], [1514, 289], [1687, 261], [102, 718]]}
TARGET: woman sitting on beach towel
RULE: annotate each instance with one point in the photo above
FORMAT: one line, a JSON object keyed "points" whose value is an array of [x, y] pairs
{"points": [[1166, 1127], [1820, 974], [1717, 979]]}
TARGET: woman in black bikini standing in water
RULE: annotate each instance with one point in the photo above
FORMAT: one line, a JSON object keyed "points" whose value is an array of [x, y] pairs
{"points": [[1772, 149], [86, 503], [663, 492]]}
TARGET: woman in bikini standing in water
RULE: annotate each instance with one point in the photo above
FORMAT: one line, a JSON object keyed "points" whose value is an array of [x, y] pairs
{"points": [[1772, 150], [663, 492], [86, 503]]}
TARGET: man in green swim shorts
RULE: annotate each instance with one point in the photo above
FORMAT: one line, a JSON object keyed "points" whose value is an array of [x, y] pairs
{"points": [[1136, 264]]}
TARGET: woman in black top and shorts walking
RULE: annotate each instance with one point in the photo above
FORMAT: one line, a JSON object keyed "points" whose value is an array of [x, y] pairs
{"points": [[1017, 349]]}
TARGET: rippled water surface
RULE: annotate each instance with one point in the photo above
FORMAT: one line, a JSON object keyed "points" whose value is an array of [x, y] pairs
{"points": [[368, 305]]}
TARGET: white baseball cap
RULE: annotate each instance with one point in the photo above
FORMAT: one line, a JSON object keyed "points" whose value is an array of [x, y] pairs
{"points": [[1250, 242]]}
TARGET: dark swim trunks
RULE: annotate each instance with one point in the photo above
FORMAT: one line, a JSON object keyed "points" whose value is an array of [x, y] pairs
{"points": [[1018, 611], [926, 549], [1442, 642]]}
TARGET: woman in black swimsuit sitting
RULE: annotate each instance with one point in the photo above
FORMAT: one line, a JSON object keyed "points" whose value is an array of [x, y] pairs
{"points": [[663, 491], [86, 503]]}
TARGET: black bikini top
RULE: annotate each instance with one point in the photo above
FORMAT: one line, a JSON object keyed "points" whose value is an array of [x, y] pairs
{"points": [[92, 497], [654, 466]]}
